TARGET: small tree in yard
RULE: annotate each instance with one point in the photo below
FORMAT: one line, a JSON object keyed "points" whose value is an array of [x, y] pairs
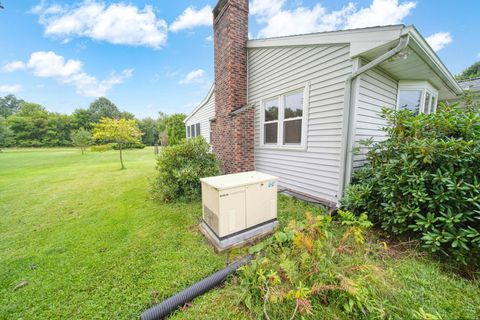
{"points": [[119, 131], [82, 139]]}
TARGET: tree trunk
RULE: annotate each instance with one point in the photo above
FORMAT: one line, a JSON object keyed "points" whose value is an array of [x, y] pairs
{"points": [[81, 148], [121, 158]]}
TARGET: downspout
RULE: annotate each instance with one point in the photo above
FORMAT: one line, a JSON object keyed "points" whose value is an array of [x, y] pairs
{"points": [[348, 120]]}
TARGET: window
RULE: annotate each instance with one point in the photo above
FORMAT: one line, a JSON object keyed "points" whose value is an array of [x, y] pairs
{"points": [[293, 115], [197, 129], [417, 96], [193, 130], [271, 121], [283, 120], [411, 100]]}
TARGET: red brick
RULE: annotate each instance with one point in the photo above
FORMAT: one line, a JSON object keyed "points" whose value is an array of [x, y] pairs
{"points": [[232, 136]]}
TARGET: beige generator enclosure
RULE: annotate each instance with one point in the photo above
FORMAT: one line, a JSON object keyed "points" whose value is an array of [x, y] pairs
{"points": [[238, 207]]}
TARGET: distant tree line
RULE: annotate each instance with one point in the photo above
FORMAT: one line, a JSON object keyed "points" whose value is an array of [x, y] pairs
{"points": [[28, 124]]}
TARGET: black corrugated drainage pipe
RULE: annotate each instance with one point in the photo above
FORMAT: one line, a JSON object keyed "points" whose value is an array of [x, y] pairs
{"points": [[171, 304]]}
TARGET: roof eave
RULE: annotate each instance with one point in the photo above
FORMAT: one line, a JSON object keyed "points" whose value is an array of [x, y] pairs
{"points": [[201, 104], [433, 57]]}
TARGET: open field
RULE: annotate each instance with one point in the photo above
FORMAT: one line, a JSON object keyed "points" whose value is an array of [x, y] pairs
{"points": [[91, 244], [87, 239]]}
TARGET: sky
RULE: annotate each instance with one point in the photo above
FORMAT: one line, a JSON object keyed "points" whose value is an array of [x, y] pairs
{"points": [[152, 56]]}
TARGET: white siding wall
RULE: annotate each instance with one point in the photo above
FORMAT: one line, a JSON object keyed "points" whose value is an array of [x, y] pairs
{"points": [[376, 89], [314, 171], [203, 115]]}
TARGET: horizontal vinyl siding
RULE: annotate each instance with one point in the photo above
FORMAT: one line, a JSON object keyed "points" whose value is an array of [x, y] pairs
{"points": [[376, 90], [316, 170], [203, 115]]}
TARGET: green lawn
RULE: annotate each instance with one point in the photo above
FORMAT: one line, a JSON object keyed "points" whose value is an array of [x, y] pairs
{"points": [[87, 238], [92, 245]]}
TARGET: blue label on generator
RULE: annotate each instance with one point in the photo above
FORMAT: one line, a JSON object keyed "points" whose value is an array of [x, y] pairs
{"points": [[271, 184]]}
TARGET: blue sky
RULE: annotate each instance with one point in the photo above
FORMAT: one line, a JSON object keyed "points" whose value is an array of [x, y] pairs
{"points": [[151, 56]]}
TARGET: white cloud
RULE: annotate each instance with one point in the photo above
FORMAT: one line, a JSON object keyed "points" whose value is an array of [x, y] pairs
{"points": [[439, 40], [191, 18], [195, 76], [117, 23], [13, 66], [10, 88], [278, 21], [209, 38], [51, 65], [380, 13]]}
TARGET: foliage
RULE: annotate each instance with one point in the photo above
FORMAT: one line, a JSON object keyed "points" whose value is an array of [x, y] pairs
{"points": [[103, 108], [102, 147], [6, 135], [175, 128], [469, 101], [82, 139], [82, 118], [149, 127], [34, 126], [307, 264], [119, 131], [180, 168], [9, 105], [129, 145], [471, 72], [424, 180]]}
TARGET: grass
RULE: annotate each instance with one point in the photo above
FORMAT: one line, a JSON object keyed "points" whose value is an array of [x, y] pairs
{"points": [[87, 239], [90, 243]]}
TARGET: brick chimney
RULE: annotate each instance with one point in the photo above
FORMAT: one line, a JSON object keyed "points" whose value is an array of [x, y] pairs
{"points": [[233, 128]]}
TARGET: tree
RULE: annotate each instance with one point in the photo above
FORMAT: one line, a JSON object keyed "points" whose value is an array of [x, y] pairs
{"points": [[127, 115], [9, 105], [82, 139], [150, 131], [119, 131], [6, 135], [82, 119], [175, 128], [103, 108], [471, 72]]}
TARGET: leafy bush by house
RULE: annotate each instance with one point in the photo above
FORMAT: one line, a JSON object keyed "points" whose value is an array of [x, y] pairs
{"points": [[312, 262], [180, 168], [425, 180]]}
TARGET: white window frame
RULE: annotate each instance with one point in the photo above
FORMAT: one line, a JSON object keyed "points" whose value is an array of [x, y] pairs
{"points": [[423, 86], [280, 95]]}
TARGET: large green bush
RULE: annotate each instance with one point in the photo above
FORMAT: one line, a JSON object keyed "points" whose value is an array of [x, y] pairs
{"points": [[180, 168], [424, 180]]}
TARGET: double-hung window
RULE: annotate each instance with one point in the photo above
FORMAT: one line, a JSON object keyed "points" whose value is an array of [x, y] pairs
{"points": [[283, 120], [417, 96]]}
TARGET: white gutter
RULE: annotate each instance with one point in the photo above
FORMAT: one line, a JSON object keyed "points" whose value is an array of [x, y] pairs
{"points": [[348, 113]]}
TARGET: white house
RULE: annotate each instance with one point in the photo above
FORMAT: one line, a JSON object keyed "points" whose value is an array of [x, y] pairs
{"points": [[296, 106]]}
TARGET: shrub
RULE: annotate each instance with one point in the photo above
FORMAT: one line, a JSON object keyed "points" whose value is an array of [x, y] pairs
{"points": [[424, 180], [311, 263], [180, 168], [129, 145], [102, 147]]}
